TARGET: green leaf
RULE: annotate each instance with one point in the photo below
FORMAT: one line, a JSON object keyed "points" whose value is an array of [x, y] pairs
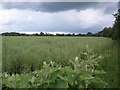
{"points": [[70, 79], [60, 84], [85, 76], [98, 83], [44, 85], [68, 70], [68, 75], [99, 72], [81, 86], [54, 75], [24, 79]]}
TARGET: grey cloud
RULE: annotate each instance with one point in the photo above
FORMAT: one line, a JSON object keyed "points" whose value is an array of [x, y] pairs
{"points": [[119, 4], [61, 6], [111, 7]]}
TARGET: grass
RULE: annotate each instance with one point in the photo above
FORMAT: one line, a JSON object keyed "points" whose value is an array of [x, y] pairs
{"points": [[28, 53]]}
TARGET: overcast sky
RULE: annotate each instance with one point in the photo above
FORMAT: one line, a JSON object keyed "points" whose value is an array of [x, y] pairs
{"points": [[63, 17]]}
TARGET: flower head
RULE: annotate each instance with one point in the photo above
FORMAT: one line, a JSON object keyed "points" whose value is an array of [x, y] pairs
{"points": [[76, 58], [44, 63]]}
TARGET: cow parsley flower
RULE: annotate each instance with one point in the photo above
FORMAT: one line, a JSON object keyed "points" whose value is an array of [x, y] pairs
{"points": [[76, 58], [44, 63], [100, 57]]}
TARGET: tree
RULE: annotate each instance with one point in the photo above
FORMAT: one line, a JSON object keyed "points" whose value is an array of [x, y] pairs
{"points": [[41, 34], [89, 34], [116, 26], [106, 32]]}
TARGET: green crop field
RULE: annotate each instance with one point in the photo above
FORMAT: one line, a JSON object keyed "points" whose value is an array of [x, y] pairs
{"points": [[22, 54]]}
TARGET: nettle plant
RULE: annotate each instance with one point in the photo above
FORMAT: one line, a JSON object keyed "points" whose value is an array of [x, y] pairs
{"points": [[82, 72]]}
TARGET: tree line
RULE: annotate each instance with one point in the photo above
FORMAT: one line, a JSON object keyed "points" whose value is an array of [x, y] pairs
{"points": [[110, 32], [47, 34], [114, 31]]}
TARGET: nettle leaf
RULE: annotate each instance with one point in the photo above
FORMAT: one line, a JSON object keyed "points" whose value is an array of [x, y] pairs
{"points": [[99, 72], [81, 86], [17, 78], [70, 79], [85, 76], [68, 75], [6, 82], [61, 84], [45, 73], [98, 83], [67, 69], [54, 75], [24, 79], [44, 85]]}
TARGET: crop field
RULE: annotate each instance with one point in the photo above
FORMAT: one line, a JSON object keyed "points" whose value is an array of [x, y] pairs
{"points": [[26, 54]]}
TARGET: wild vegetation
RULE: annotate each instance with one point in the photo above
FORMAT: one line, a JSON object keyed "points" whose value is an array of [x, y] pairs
{"points": [[79, 73], [25, 55]]}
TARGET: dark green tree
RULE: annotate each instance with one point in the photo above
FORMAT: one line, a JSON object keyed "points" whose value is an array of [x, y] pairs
{"points": [[89, 34], [106, 32], [116, 26]]}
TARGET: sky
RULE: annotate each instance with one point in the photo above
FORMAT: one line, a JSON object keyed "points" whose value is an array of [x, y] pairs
{"points": [[56, 17]]}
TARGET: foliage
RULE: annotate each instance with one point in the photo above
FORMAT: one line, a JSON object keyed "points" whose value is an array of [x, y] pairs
{"points": [[45, 34], [116, 26], [106, 32], [114, 31], [27, 53], [79, 73], [30, 52]]}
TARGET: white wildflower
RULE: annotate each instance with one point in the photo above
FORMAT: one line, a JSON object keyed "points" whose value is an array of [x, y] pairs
{"points": [[85, 53], [75, 82], [76, 58], [44, 63], [13, 75], [6, 75], [92, 70], [33, 79], [100, 57], [51, 62], [86, 67], [59, 67]]}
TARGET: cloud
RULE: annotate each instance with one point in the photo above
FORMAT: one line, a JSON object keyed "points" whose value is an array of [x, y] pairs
{"points": [[119, 4], [61, 6], [67, 21], [5, 19], [29, 19], [92, 17]]}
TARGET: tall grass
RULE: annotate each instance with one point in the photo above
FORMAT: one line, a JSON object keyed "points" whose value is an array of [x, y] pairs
{"points": [[27, 53]]}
